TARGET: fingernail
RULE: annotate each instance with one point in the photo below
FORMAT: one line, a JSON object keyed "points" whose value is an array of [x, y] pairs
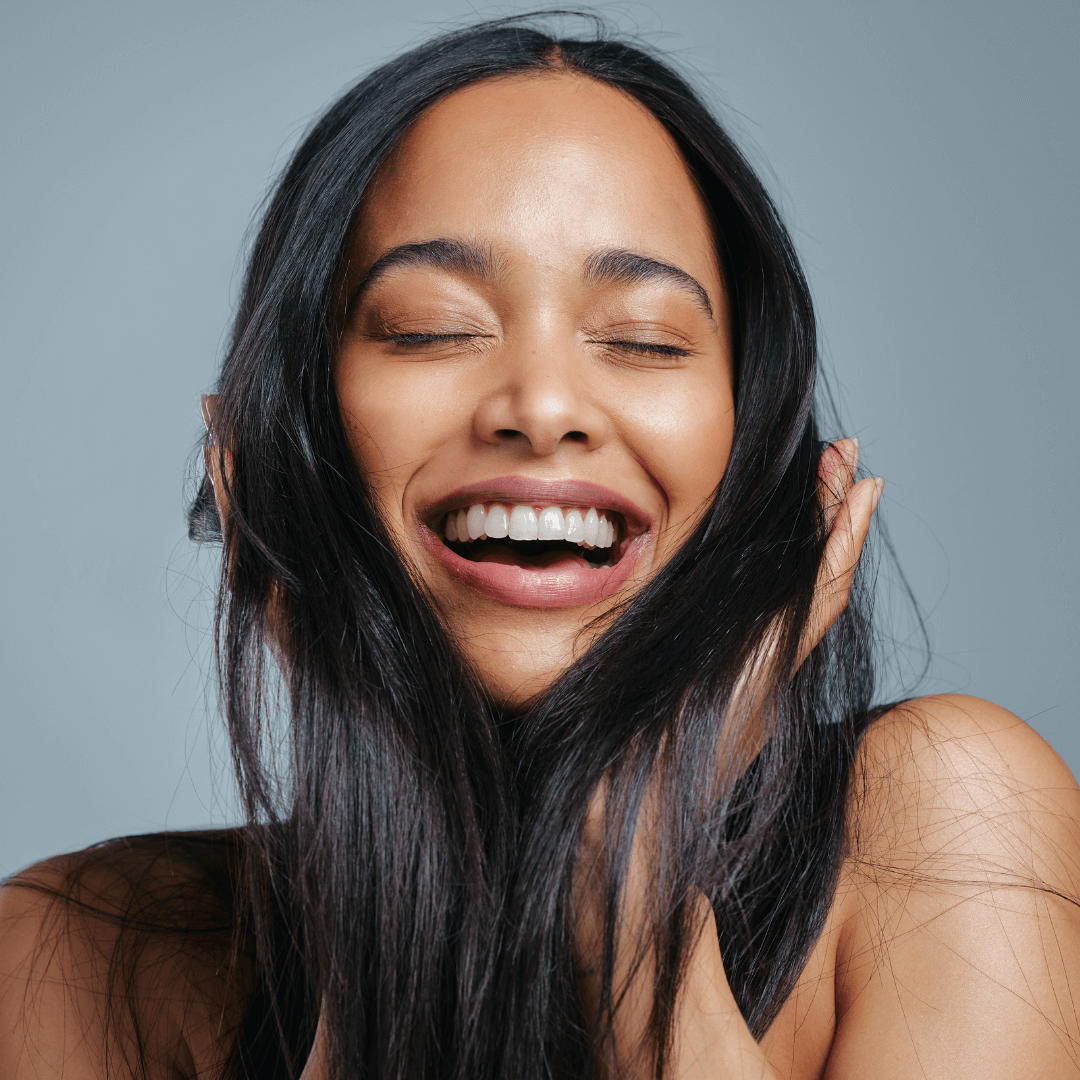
{"points": [[879, 487]]}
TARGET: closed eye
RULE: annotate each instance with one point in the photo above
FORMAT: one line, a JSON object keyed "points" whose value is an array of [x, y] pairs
{"points": [[428, 339], [646, 348]]}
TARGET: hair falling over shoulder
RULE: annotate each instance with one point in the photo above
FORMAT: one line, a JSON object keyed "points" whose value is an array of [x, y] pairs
{"points": [[410, 853]]}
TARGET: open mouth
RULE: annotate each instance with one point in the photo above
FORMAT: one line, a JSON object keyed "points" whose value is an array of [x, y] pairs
{"points": [[533, 538], [514, 548]]}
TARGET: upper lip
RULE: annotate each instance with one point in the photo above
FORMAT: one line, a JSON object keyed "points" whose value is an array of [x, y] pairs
{"points": [[526, 490]]}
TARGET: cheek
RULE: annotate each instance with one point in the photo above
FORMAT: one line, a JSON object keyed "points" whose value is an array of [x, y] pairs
{"points": [[391, 442], [682, 436]]}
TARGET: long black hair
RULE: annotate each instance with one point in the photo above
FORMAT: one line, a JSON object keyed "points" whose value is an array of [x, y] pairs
{"points": [[410, 855]]}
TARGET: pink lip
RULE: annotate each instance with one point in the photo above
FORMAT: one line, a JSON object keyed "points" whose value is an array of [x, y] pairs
{"points": [[557, 586]]}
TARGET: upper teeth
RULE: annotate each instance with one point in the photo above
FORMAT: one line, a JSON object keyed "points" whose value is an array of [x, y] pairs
{"points": [[524, 523]]}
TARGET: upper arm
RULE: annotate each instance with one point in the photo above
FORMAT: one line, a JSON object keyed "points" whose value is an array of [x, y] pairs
{"points": [[962, 953], [48, 1022]]}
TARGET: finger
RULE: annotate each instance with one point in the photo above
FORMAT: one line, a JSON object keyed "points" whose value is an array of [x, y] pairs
{"points": [[844, 547], [842, 550], [836, 476], [207, 402], [215, 457]]}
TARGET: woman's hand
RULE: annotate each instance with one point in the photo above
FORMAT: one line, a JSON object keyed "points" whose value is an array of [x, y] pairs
{"points": [[710, 1036], [214, 460], [848, 507]]}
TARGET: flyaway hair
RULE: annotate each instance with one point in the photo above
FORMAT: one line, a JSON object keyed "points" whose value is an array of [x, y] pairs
{"points": [[409, 861], [414, 875]]}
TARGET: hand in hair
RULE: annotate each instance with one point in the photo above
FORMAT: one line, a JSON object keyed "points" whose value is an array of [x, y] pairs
{"points": [[710, 1037], [848, 507]]}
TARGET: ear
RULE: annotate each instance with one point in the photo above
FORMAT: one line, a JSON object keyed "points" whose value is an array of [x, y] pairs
{"points": [[215, 457]]}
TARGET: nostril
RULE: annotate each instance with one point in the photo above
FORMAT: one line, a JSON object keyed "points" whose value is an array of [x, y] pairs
{"points": [[576, 436], [509, 433]]}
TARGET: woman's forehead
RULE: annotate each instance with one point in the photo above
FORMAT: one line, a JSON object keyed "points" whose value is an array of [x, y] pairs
{"points": [[558, 164]]}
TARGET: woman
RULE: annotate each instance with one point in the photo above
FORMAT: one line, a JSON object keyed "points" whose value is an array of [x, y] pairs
{"points": [[530, 537]]}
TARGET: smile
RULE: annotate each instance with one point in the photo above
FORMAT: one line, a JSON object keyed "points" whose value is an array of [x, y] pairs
{"points": [[520, 546]]}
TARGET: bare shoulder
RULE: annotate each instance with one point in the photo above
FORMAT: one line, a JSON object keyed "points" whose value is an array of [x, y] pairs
{"points": [[950, 784], [99, 971], [958, 916], [52, 978], [33, 1008], [958, 728]]}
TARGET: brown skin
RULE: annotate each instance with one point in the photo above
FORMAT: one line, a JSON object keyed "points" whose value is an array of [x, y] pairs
{"points": [[544, 172], [910, 978]]}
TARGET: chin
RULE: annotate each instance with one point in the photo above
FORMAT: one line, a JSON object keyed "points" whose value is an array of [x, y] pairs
{"points": [[518, 652]]}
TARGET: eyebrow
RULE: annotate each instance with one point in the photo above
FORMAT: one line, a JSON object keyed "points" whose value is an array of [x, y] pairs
{"points": [[458, 256], [628, 267], [462, 256]]}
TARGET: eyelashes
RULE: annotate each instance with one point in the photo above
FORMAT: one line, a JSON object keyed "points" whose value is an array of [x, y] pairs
{"points": [[645, 348], [430, 339], [638, 348]]}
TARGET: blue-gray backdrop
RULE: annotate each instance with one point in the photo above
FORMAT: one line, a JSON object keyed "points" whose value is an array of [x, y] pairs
{"points": [[924, 154]]}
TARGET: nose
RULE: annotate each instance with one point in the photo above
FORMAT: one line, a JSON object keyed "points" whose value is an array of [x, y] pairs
{"points": [[540, 403]]}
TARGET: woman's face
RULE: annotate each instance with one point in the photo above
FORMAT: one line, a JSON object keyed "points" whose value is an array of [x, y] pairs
{"points": [[535, 366]]}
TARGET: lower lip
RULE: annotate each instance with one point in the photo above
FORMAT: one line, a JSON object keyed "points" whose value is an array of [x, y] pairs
{"points": [[550, 587]]}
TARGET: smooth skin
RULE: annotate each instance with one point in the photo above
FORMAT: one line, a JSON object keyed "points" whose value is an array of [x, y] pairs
{"points": [[938, 959], [535, 370]]}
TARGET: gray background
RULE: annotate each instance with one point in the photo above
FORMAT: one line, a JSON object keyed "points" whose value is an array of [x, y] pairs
{"points": [[925, 156]]}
